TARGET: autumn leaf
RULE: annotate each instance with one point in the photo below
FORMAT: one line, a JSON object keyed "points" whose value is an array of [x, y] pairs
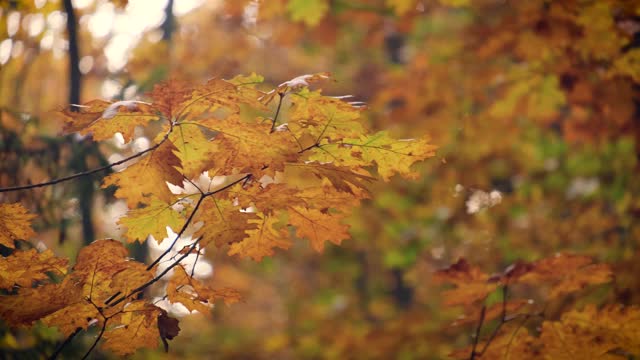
{"points": [[318, 226], [261, 241], [107, 270], [15, 224], [592, 333], [194, 150], [244, 147], [472, 285], [147, 179], [323, 118], [23, 268], [391, 156], [195, 295], [153, 220], [31, 304], [566, 273], [104, 119], [137, 328], [223, 223]]}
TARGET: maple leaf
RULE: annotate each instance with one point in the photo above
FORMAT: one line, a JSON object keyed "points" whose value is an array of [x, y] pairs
{"points": [[107, 270], [323, 117], [268, 199], [137, 328], [246, 147], [327, 196], [318, 226], [593, 333], [195, 295], [566, 273], [23, 268], [223, 223], [343, 178], [31, 304], [104, 119], [151, 220], [472, 285], [15, 223], [194, 150], [262, 240], [390, 155], [147, 179]]}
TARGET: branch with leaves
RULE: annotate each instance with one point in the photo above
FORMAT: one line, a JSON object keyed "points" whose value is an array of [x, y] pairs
{"points": [[306, 174]]}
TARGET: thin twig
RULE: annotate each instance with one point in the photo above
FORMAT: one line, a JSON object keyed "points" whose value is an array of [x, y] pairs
{"points": [[179, 234], [275, 117], [64, 344], [160, 276], [191, 248], [84, 173], [93, 346], [503, 320], [477, 333], [193, 269]]}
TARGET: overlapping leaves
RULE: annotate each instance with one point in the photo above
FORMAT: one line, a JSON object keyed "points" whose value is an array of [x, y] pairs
{"points": [[305, 167]]}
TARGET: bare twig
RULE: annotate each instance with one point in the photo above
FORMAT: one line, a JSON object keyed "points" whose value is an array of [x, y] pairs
{"points": [[477, 333], [93, 346], [85, 173], [275, 117], [64, 344], [503, 320], [179, 234]]}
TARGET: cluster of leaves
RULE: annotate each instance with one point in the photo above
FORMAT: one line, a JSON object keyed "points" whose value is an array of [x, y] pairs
{"points": [[268, 175]]}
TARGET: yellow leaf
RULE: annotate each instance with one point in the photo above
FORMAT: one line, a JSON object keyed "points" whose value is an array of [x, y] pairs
{"points": [[151, 220], [103, 119], [15, 224], [392, 156], [147, 179]]}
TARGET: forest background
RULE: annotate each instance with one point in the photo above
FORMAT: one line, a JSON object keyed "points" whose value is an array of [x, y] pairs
{"points": [[518, 239]]}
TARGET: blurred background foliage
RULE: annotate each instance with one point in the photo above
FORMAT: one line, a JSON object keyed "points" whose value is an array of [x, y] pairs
{"points": [[533, 104]]}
